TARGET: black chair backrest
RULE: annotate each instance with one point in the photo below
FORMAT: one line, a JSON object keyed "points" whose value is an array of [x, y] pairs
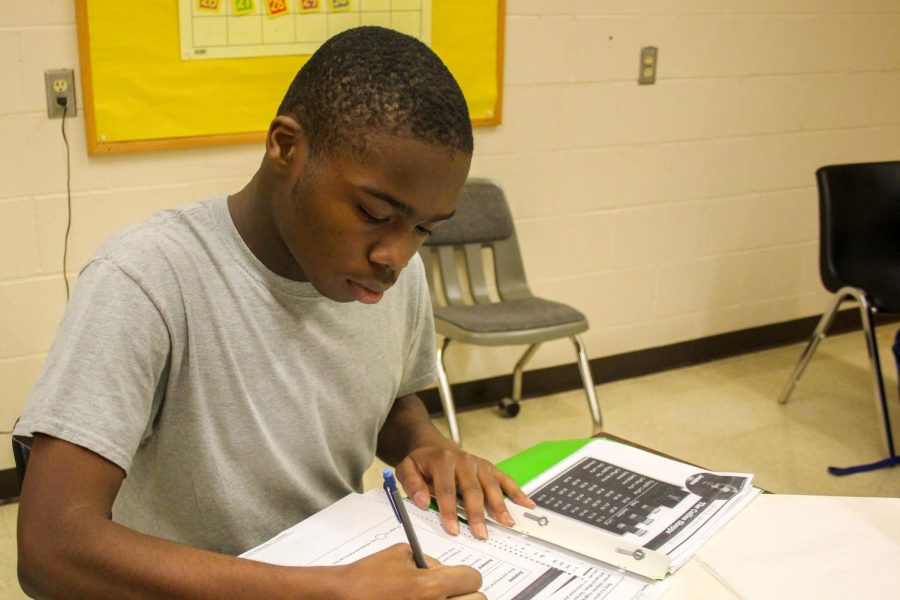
{"points": [[859, 224]]}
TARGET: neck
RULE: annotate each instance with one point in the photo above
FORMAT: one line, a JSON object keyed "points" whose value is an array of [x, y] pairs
{"points": [[252, 213]]}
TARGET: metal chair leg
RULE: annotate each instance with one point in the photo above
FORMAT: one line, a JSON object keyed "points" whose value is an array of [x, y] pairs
{"points": [[585, 369], [517, 372], [817, 336], [866, 313], [509, 406], [446, 394]]}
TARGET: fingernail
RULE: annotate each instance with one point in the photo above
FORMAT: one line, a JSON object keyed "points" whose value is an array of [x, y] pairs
{"points": [[422, 499], [480, 531], [453, 527], [507, 519]]}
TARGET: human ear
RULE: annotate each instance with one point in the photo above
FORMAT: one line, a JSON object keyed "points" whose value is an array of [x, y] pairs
{"points": [[285, 143]]}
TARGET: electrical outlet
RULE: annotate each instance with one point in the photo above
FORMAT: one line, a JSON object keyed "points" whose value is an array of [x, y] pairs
{"points": [[60, 83], [647, 73]]}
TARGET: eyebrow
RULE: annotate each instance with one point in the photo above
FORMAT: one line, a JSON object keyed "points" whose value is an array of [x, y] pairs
{"points": [[401, 206]]}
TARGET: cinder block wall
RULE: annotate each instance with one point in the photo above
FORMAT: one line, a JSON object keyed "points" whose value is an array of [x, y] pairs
{"points": [[666, 212]]}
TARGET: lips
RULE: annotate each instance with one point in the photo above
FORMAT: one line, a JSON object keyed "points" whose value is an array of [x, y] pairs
{"points": [[366, 294]]}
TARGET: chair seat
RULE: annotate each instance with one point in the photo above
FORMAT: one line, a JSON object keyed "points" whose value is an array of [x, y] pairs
{"points": [[885, 304], [527, 314], [882, 286]]}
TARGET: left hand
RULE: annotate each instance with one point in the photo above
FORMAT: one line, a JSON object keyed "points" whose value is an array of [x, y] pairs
{"points": [[447, 472]]}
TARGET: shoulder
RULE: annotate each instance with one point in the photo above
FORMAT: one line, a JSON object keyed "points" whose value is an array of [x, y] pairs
{"points": [[160, 256], [164, 241], [165, 226]]}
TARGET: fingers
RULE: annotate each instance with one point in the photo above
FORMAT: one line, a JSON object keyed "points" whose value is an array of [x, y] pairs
{"points": [[494, 485], [392, 573], [474, 487], [512, 489], [413, 483], [497, 483], [475, 481], [452, 474], [446, 468], [459, 581], [402, 551], [493, 496], [440, 467]]}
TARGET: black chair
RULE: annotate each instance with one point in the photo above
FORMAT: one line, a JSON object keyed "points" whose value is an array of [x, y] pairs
{"points": [[859, 259], [472, 307]]}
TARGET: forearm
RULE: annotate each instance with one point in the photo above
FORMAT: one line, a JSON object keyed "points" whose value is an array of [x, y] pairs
{"points": [[70, 548], [92, 557], [407, 427]]}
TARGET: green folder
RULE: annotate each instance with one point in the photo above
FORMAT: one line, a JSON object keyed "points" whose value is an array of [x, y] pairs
{"points": [[530, 463]]}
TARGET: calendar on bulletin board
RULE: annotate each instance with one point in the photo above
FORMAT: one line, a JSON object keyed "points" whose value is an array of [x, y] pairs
{"points": [[161, 74], [242, 28]]}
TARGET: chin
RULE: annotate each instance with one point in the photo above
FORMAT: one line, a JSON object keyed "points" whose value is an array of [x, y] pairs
{"points": [[339, 295], [336, 293]]}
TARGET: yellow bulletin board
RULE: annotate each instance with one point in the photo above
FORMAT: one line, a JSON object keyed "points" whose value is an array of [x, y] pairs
{"points": [[139, 94]]}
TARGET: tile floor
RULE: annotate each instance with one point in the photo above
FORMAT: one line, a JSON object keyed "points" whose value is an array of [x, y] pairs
{"points": [[722, 415]]}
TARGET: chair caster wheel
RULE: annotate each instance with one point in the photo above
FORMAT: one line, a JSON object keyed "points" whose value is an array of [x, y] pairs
{"points": [[508, 407]]}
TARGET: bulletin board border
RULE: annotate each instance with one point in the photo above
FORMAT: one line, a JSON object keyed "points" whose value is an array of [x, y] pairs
{"points": [[96, 147]]}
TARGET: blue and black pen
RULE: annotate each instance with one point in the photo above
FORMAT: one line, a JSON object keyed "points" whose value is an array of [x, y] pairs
{"points": [[390, 487]]}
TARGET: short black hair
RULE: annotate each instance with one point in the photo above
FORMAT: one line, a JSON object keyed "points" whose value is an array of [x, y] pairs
{"points": [[371, 80]]}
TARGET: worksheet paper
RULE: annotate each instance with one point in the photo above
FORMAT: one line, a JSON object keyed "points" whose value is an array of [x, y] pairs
{"points": [[642, 498], [512, 566]]}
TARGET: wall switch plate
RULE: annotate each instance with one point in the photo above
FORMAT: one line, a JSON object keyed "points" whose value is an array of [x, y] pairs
{"points": [[647, 73], [60, 83]]}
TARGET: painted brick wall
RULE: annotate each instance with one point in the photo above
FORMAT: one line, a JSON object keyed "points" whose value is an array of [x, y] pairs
{"points": [[665, 212]]}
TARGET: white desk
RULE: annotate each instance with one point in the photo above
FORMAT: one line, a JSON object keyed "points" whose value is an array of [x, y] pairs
{"points": [[799, 547]]}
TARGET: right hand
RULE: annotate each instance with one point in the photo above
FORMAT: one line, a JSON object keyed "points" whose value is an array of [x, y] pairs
{"points": [[392, 573]]}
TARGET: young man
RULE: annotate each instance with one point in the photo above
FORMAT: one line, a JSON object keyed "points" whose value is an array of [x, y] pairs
{"points": [[242, 359]]}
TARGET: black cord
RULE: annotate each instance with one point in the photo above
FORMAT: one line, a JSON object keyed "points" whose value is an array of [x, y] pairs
{"points": [[65, 108], [62, 102]]}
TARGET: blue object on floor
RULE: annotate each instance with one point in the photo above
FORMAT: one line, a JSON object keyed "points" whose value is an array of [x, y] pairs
{"points": [[881, 464], [884, 463]]}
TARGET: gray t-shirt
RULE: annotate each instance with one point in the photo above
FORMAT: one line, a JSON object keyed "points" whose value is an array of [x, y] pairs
{"points": [[237, 401]]}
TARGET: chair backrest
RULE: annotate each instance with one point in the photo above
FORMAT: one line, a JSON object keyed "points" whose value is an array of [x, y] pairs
{"points": [[456, 249], [859, 226]]}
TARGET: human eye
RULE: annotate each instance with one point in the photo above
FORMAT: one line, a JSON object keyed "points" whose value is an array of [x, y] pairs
{"points": [[424, 230], [369, 216]]}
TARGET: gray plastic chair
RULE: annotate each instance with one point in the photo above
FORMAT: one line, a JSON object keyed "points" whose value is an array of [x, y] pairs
{"points": [[469, 309]]}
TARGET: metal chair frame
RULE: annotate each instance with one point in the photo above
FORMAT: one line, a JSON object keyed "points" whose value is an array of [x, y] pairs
{"points": [[460, 262], [866, 314], [859, 259]]}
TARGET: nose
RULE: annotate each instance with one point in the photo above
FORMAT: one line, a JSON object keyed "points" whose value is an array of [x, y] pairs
{"points": [[394, 250]]}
